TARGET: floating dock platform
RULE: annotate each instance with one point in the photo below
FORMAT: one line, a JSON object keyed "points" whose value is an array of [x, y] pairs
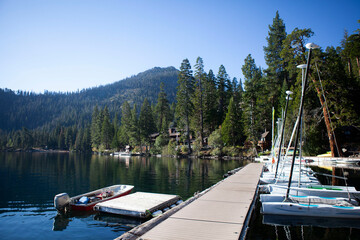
{"points": [[139, 204]]}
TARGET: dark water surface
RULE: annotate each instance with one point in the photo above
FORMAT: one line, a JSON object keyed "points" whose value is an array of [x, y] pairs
{"points": [[29, 182], [268, 227]]}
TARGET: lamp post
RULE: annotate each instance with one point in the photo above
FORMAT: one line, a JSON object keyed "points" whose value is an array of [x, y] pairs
{"points": [[309, 46], [288, 93], [302, 67]]}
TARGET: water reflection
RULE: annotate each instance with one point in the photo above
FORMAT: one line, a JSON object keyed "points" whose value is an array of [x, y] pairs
{"points": [[29, 182]]}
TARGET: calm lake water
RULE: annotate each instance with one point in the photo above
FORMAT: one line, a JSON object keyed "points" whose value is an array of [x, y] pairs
{"points": [[29, 182]]}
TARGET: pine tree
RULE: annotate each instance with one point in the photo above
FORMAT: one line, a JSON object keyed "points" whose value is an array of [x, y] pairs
{"points": [[275, 73], [126, 124], [86, 141], [198, 100], [134, 131], [95, 132], [106, 129], [146, 122], [184, 105], [115, 144], [231, 128], [223, 85], [352, 52], [210, 104], [162, 111], [252, 75], [79, 139]]}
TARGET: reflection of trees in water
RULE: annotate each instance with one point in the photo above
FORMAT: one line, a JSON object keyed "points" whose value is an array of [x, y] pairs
{"points": [[74, 173]]}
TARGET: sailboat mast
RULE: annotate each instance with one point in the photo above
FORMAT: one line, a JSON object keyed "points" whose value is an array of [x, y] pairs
{"points": [[310, 46]]}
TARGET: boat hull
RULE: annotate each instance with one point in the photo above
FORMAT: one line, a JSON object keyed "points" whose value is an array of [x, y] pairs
{"points": [[90, 207], [310, 210], [317, 190], [86, 202]]}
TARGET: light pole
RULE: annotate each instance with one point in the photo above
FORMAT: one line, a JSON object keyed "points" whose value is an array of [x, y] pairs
{"points": [[309, 46], [302, 67], [288, 93]]}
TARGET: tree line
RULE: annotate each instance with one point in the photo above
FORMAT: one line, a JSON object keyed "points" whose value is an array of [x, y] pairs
{"points": [[217, 114]]}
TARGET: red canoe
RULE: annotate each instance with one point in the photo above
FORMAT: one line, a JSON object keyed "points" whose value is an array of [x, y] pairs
{"points": [[85, 202]]}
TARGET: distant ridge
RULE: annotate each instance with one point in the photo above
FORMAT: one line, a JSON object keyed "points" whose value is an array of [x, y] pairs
{"points": [[50, 109]]}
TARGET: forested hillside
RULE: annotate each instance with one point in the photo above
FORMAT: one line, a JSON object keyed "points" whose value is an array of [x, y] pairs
{"points": [[29, 110]]}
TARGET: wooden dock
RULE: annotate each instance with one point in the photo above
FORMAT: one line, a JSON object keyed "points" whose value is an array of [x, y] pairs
{"points": [[222, 212]]}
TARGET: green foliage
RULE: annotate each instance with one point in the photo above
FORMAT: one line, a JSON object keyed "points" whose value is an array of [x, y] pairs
{"points": [[184, 105], [223, 93], [162, 111], [232, 129], [146, 122], [161, 141], [215, 141], [209, 102], [197, 118], [275, 73], [232, 151], [172, 149], [253, 115]]}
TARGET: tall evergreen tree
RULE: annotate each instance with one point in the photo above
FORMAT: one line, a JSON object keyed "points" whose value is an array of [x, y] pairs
{"points": [[115, 141], [198, 100], [352, 52], [86, 141], [275, 73], [223, 85], [231, 128], [162, 111], [252, 75], [210, 104], [184, 105], [106, 129], [134, 133], [126, 124], [146, 122], [95, 132]]}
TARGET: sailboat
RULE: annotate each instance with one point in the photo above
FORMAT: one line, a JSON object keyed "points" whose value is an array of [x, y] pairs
{"points": [[309, 205]]}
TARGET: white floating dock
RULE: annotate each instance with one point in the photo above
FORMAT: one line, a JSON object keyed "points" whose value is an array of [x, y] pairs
{"points": [[139, 204]]}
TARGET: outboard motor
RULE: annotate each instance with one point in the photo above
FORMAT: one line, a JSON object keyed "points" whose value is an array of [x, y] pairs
{"points": [[62, 202]]}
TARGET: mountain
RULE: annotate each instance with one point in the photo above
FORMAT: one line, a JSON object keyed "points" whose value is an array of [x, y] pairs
{"points": [[30, 110]]}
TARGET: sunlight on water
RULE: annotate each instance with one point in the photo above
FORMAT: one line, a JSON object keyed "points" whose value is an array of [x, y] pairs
{"points": [[29, 182]]}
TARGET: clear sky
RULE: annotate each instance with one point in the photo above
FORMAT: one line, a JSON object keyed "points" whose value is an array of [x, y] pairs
{"points": [[66, 45]]}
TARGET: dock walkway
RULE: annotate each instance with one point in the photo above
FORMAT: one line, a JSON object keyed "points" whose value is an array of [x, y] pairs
{"points": [[220, 213]]}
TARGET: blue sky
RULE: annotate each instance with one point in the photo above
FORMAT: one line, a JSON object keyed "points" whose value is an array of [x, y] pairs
{"points": [[66, 45]]}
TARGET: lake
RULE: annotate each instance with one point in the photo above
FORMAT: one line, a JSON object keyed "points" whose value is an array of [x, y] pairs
{"points": [[29, 182]]}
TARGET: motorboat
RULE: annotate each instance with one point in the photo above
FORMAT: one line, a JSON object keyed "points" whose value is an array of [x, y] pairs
{"points": [[86, 202]]}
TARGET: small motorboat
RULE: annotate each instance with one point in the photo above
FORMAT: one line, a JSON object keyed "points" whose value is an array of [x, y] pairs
{"points": [[86, 202]]}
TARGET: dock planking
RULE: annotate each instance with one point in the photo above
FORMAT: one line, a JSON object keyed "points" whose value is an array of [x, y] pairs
{"points": [[220, 213]]}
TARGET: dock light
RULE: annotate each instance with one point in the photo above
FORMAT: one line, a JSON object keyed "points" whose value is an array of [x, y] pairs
{"points": [[311, 46], [302, 67], [288, 98]]}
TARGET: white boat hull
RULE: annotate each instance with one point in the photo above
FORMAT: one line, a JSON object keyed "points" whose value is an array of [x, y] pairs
{"points": [[311, 210], [317, 190]]}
